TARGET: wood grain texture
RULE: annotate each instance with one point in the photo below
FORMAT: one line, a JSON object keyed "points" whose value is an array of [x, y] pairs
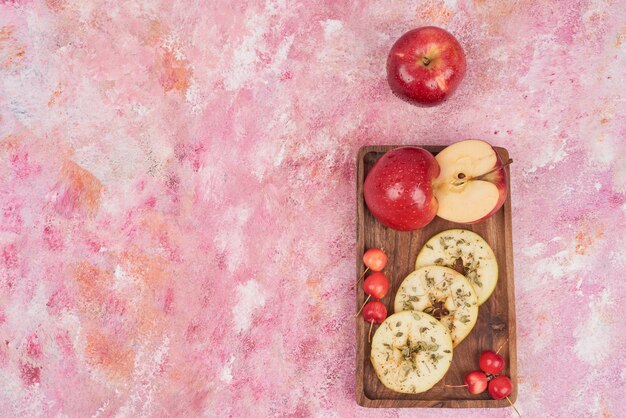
{"points": [[496, 317]]}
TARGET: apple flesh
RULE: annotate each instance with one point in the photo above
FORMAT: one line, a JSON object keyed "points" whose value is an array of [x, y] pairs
{"points": [[472, 183], [398, 189], [425, 66]]}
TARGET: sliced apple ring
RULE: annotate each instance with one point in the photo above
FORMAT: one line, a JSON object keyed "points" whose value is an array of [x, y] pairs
{"points": [[443, 293], [411, 352], [476, 258]]}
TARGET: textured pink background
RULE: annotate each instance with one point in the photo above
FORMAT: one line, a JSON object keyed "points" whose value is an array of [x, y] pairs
{"points": [[177, 211]]}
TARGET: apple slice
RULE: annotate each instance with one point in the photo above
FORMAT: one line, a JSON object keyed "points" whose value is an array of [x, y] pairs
{"points": [[460, 248], [471, 185], [411, 352], [443, 293]]}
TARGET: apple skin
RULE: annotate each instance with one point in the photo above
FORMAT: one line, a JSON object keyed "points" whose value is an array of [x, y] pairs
{"points": [[425, 66], [498, 178], [398, 189]]}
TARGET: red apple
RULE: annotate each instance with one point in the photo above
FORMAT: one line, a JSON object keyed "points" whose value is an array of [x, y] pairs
{"points": [[398, 189], [472, 183], [425, 66]]}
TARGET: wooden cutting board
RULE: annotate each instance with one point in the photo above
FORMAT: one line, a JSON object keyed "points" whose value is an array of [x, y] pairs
{"points": [[496, 317]]}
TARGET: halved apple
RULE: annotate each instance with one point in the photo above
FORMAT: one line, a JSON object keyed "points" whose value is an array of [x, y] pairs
{"points": [[467, 250], [471, 185], [411, 352], [443, 293]]}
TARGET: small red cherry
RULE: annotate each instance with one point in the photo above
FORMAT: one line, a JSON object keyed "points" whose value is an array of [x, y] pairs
{"points": [[491, 362], [476, 382], [376, 285], [375, 259], [500, 387], [374, 312]]}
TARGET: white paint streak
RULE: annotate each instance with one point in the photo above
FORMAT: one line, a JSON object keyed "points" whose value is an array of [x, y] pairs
{"points": [[146, 368], [122, 280], [101, 410], [579, 283], [171, 43], [534, 250], [250, 297], [281, 54], [227, 371], [193, 96], [555, 153], [331, 26], [595, 338]]}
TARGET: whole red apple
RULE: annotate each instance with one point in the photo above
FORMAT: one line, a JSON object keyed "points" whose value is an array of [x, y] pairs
{"points": [[425, 66], [398, 189]]}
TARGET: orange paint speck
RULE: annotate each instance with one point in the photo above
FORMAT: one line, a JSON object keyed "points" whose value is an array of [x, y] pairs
{"points": [[620, 38], [175, 73], [55, 5], [313, 288], [78, 189], [55, 95], [155, 33], [583, 241], [109, 355], [150, 269], [11, 53], [92, 282], [434, 13], [585, 237], [10, 143]]}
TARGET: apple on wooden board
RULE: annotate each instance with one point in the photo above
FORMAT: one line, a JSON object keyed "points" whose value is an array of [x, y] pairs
{"points": [[425, 66], [398, 188], [465, 183], [472, 183]]}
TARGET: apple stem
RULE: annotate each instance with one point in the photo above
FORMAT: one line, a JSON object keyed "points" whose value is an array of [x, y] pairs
{"points": [[369, 334], [361, 276], [494, 169], [464, 179], [502, 345], [368, 298], [426, 61], [511, 403]]}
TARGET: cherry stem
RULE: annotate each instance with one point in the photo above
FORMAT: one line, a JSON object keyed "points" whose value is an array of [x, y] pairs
{"points": [[361, 276], [368, 298], [455, 386], [502, 345], [511, 403], [369, 334], [464, 179]]}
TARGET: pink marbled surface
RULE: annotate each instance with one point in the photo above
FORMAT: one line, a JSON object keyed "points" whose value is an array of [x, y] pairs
{"points": [[177, 211]]}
